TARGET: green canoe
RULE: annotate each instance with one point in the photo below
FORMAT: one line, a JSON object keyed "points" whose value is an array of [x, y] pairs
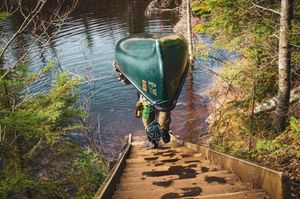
{"points": [[156, 64]]}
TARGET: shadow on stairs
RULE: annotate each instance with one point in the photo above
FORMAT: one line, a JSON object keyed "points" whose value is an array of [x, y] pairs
{"points": [[174, 170]]}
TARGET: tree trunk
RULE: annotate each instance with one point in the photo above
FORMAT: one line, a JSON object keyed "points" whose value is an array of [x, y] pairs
{"points": [[189, 29], [284, 67]]}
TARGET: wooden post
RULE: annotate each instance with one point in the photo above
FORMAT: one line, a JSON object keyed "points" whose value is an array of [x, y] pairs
{"points": [[189, 29]]}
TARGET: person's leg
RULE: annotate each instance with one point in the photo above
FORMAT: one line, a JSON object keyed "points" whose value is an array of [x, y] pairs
{"points": [[145, 122], [164, 120], [147, 119]]}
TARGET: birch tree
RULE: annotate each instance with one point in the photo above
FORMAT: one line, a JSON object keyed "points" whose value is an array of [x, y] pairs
{"points": [[284, 66]]}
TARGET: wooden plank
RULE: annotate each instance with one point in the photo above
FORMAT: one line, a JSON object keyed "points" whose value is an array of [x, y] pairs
{"points": [[273, 182], [110, 183]]}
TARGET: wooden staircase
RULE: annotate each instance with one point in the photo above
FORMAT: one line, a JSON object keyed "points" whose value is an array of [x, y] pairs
{"points": [[175, 171]]}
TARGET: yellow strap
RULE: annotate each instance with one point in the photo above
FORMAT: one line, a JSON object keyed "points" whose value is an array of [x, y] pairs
{"points": [[145, 102]]}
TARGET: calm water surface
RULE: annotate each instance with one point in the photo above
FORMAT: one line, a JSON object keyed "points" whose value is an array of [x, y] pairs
{"points": [[85, 47]]}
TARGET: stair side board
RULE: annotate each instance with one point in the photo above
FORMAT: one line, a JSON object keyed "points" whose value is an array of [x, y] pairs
{"points": [[273, 182], [109, 185]]}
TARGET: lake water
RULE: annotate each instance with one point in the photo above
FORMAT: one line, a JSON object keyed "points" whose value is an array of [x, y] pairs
{"points": [[85, 47]]}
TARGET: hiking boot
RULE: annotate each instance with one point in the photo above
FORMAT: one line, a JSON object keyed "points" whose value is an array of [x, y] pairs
{"points": [[165, 136], [155, 144], [151, 145]]}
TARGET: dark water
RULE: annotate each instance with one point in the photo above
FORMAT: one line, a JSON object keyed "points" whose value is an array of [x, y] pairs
{"points": [[85, 47]]}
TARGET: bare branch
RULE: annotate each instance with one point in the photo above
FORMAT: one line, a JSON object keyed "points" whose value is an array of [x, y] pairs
{"points": [[160, 6], [38, 37], [263, 8], [294, 45], [270, 104], [25, 23], [10, 9]]}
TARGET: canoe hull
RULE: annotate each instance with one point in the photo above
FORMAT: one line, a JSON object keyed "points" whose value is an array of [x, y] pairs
{"points": [[156, 64]]}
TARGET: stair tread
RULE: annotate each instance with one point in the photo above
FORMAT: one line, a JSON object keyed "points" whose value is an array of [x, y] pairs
{"points": [[249, 194], [230, 179], [184, 191], [140, 151], [144, 161], [174, 171], [201, 168]]}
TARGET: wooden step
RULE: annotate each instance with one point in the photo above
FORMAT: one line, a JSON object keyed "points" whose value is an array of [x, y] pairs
{"points": [[199, 167], [167, 153], [178, 183], [252, 194], [217, 174], [174, 171], [145, 193], [143, 151], [196, 165], [170, 162], [155, 159]]}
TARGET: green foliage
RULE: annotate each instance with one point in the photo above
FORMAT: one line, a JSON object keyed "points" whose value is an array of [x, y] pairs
{"points": [[36, 158], [14, 182], [295, 128], [266, 146], [4, 15], [68, 171], [75, 173], [88, 173], [283, 145], [250, 31], [39, 117], [32, 126]]}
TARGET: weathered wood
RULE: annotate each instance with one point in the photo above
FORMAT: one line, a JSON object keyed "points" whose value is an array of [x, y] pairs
{"points": [[174, 171], [109, 185], [273, 182]]}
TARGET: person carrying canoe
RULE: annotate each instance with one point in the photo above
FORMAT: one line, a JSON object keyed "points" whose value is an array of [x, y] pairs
{"points": [[145, 110]]}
